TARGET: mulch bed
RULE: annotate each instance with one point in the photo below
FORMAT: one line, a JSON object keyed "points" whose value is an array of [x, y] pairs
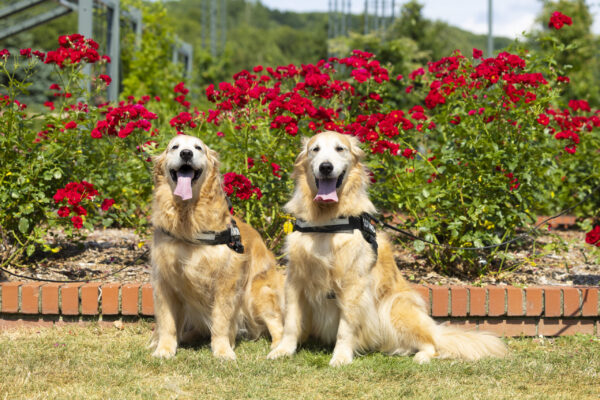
{"points": [[561, 258]]}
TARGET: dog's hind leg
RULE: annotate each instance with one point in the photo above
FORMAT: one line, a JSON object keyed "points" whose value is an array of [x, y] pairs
{"points": [[267, 303], [413, 329], [292, 329]]}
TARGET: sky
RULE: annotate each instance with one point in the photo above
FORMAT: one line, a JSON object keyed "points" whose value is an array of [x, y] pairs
{"points": [[511, 17]]}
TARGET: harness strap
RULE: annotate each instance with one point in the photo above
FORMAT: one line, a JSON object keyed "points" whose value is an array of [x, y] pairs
{"points": [[230, 236], [362, 223]]}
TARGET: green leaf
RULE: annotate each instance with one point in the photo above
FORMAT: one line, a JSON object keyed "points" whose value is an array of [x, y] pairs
{"points": [[30, 250], [419, 246], [23, 225]]}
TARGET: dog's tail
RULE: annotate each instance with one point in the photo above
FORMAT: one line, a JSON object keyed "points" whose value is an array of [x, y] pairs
{"points": [[451, 342]]}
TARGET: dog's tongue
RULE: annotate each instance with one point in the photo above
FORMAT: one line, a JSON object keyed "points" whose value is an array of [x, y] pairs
{"points": [[184, 184], [327, 192]]}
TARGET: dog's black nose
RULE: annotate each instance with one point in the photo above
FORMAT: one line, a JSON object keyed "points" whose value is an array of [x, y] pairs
{"points": [[326, 168], [186, 155]]}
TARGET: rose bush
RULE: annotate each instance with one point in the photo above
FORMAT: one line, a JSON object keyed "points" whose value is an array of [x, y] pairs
{"points": [[55, 172], [486, 144]]}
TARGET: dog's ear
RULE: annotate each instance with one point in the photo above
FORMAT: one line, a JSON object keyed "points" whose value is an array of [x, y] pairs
{"points": [[158, 171], [301, 157], [213, 158], [355, 149]]}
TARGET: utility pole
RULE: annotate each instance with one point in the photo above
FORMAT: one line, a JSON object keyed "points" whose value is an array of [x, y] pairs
{"points": [[490, 44], [204, 27], [223, 24], [366, 16], [376, 16], [213, 28]]}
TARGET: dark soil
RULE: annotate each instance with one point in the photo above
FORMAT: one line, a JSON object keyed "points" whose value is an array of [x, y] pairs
{"points": [[560, 258]]}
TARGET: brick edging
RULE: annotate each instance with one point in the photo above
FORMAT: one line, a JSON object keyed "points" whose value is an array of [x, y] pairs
{"points": [[505, 310]]}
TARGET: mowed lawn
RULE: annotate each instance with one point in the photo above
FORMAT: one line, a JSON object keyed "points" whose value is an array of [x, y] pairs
{"points": [[94, 362]]}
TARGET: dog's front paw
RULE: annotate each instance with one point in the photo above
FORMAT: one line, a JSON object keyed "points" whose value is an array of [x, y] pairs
{"points": [[281, 350], [165, 349], [225, 353], [341, 357]]}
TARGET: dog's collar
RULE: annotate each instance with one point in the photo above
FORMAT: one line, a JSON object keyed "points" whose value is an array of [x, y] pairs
{"points": [[363, 223], [230, 236]]}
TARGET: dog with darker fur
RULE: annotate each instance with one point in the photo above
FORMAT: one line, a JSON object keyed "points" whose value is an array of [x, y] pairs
{"points": [[204, 287], [342, 289]]}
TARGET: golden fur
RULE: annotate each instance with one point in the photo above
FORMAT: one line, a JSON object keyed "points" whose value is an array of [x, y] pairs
{"points": [[208, 289], [374, 308]]}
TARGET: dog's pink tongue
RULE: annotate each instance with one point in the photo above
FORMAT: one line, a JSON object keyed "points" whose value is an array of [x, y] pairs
{"points": [[184, 184], [327, 192]]}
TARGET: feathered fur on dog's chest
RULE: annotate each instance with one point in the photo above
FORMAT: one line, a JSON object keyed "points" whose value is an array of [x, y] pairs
{"points": [[322, 260], [196, 271]]}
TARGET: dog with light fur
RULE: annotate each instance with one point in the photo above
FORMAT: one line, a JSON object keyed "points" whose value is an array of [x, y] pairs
{"points": [[202, 286], [341, 290]]}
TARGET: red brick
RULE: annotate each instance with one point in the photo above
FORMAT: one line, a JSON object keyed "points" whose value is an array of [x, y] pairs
{"points": [[30, 298], [424, 292], [496, 326], [477, 301], [552, 306], [89, 299], [515, 301], [10, 297], [571, 302], [50, 298], [459, 303], [69, 304], [562, 327], [589, 308], [520, 327], [147, 300], [110, 298], [496, 301], [439, 300], [534, 304], [129, 298]]}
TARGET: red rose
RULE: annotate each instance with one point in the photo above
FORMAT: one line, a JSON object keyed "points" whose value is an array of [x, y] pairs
{"points": [[477, 53], [77, 221], [593, 236], [107, 79], [558, 19], [543, 119], [106, 204], [71, 125], [64, 211]]}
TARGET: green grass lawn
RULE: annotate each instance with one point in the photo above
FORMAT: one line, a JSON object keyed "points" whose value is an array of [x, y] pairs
{"points": [[108, 363]]}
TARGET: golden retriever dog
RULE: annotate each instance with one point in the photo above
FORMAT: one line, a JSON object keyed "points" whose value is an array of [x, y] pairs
{"points": [[340, 289], [202, 287]]}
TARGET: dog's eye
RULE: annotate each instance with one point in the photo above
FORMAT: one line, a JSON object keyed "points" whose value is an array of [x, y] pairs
{"points": [[175, 147], [316, 149], [339, 149], [198, 148]]}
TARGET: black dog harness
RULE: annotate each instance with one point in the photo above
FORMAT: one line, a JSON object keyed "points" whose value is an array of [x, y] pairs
{"points": [[362, 223], [230, 236]]}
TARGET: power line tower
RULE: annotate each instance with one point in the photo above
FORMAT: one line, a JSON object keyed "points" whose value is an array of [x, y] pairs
{"points": [[214, 26], [378, 14], [339, 17]]}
